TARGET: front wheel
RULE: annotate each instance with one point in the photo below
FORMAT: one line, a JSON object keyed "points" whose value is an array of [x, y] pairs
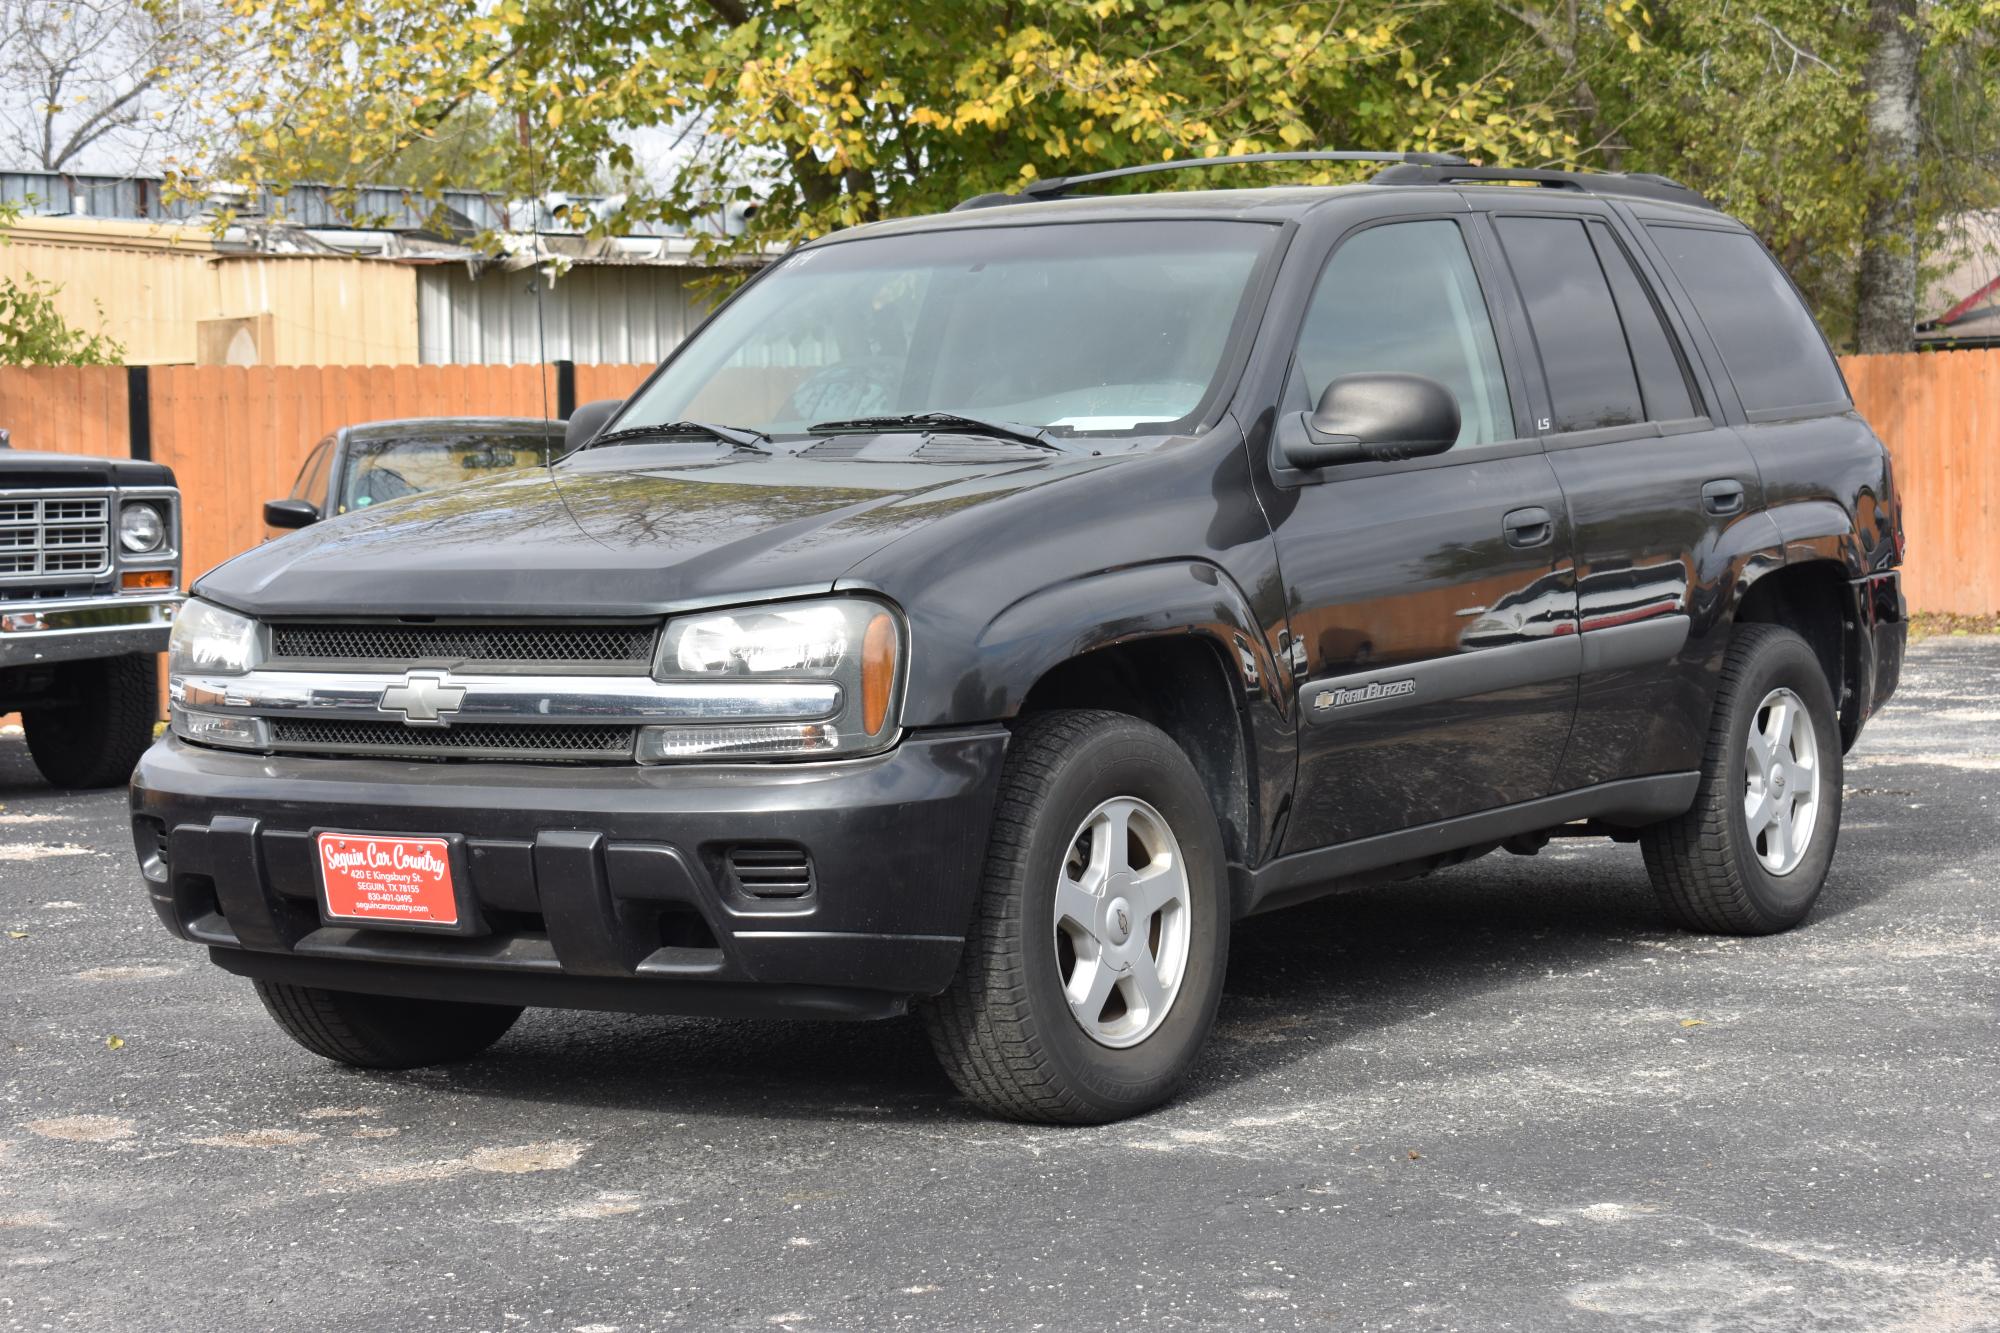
{"points": [[383, 1032], [1752, 854], [93, 736], [1094, 962]]}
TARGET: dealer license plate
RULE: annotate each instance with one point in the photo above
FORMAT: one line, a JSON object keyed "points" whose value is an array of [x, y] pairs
{"points": [[374, 879]]}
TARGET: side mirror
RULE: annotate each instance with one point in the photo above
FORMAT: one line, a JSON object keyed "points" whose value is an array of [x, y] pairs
{"points": [[1373, 416], [586, 420], [290, 513]]}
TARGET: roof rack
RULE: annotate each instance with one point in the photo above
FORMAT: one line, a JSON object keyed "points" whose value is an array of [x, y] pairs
{"points": [[1055, 187], [1638, 184]]}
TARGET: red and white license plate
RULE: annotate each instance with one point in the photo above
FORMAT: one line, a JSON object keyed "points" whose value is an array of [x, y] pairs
{"points": [[387, 880]]}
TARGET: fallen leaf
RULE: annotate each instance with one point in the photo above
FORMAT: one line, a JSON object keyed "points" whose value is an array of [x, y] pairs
{"points": [[1694, 1022], [1416, 1156], [17, 934], [114, 1043]]}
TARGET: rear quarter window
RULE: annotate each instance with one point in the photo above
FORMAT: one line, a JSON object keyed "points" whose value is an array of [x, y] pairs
{"points": [[1770, 346]]}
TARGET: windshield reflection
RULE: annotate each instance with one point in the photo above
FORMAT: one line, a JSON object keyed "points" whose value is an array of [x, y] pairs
{"points": [[1078, 328]]}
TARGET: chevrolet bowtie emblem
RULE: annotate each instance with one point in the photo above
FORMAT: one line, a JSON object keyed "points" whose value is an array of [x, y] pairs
{"points": [[425, 699]]}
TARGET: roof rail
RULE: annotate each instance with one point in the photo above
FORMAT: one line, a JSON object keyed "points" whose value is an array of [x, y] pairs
{"points": [[1055, 187], [1638, 184]]}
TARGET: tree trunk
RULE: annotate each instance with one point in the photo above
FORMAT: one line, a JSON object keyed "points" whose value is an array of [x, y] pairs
{"points": [[1887, 313]]}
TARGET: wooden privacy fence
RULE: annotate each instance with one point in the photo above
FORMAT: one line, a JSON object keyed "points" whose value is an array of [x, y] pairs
{"points": [[235, 437], [1939, 413]]}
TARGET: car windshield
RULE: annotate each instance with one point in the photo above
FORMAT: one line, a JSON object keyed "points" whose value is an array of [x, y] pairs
{"points": [[1077, 327], [378, 470]]}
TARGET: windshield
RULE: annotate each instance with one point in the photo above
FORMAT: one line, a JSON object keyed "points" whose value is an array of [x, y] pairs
{"points": [[388, 469], [1080, 327]]}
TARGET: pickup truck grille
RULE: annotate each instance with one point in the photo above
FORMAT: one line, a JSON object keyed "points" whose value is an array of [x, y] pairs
{"points": [[61, 538], [375, 645], [478, 740]]}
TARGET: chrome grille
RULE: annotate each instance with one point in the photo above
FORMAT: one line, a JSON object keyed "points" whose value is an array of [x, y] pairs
{"points": [[599, 646], [66, 538], [482, 740]]}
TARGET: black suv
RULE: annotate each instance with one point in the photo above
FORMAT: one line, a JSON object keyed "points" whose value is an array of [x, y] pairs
{"points": [[980, 612]]}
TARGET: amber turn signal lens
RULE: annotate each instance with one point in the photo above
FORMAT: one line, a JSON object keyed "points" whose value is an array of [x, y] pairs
{"points": [[147, 580], [878, 672]]}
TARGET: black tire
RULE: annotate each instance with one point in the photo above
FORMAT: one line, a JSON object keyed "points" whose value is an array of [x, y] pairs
{"points": [[384, 1032], [1004, 1031], [1705, 864], [95, 736]]}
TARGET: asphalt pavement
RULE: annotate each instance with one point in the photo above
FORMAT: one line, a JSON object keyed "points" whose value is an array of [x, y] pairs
{"points": [[1507, 1096]]}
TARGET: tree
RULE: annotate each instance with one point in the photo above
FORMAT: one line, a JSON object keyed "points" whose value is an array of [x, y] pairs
{"points": [[85, 81], [833, 112], [1842, 134], [1886, 307]]}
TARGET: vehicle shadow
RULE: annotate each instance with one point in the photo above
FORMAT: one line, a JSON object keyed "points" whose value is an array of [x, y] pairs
{"points": [[1301, 982]]}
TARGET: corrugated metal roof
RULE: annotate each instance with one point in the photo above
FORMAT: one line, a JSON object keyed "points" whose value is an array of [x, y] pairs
{"points": [[135, 197], [591, 315], [385, 207]]}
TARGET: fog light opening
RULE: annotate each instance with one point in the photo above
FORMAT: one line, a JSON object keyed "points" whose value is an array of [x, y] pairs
{"points": [[762, 741]]}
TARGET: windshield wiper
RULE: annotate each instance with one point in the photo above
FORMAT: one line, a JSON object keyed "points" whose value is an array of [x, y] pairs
{"points": [[951, 421], [741, 436]]}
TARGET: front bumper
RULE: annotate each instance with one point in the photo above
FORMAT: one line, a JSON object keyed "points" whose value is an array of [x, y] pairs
{"points": [[596, 887], [64, 631]]}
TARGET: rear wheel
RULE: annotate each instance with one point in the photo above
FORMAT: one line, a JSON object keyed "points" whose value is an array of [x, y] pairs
{"points": [[95, 736], [1752, 854], [1094, 962], [384, 1032]]}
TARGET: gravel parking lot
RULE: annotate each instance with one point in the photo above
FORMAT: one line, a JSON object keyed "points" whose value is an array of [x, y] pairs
{"points": [[1507, 1096]]}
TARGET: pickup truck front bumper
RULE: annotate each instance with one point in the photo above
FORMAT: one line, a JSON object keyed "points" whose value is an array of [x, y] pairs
{"points": [[66, 630], [596, 887]]}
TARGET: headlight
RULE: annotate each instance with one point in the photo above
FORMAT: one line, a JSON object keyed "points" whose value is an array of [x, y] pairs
{"points": [[208, 639], [141, 528], [854, 643]]}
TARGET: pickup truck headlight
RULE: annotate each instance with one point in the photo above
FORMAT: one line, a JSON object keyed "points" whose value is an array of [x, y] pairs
{"points": [[852, 642], [210, 640], [142, 528]]}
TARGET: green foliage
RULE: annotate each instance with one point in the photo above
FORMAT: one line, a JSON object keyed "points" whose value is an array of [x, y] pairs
{"points": [[1762, 108], [832, 112], [34, 333]]}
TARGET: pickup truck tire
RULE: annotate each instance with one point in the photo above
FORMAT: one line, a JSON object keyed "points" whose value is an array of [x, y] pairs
{"points": [[1752, 854], [384, 1032], [95, 737], [1007, 1030]]}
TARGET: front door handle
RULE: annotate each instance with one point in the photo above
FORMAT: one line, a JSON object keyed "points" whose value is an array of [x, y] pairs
{"points": [[1528, 527], [1723, 497]]}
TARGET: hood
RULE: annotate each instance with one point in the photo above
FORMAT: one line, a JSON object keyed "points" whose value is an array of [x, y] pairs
{"points": [[20, 469], [628, 530]]}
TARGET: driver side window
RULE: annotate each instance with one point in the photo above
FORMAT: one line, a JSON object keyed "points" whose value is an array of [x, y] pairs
{"points": [[311, 484], [1404, 297]]}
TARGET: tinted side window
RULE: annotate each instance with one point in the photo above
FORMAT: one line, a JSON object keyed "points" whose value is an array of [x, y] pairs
{"points": [[1591, 380], [311, 484], [1404, 297], [1769, 345], [1662, 379]]}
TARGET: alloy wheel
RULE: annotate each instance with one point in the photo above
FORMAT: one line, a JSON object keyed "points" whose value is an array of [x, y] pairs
{"points": [[1781, 781], [1121, 922]]}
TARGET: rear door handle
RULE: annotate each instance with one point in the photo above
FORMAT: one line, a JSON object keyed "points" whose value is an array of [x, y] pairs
{"points": [[1722, 497], [1528, 527]]}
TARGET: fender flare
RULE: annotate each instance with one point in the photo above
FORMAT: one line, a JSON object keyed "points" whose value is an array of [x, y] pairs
{"points": [[1067, 620]]}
